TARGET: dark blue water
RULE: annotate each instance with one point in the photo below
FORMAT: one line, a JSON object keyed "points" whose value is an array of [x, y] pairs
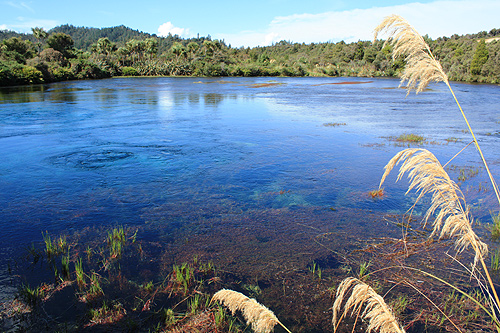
{"points": [[134, 151]]}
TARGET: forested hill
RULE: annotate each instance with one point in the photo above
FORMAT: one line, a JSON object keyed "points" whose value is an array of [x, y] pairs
{"points": [[68, 52], [84, 37]]}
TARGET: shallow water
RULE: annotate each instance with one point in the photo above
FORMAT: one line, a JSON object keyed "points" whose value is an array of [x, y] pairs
{"points": [[212, 155]]}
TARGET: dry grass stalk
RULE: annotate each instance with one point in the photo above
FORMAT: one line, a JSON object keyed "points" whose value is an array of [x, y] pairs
{"points": [[426, 175], [261, 318], [376, 312], [421, 66]]}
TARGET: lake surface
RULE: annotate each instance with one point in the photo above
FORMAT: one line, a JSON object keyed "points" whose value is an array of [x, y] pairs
{"points": [[197, 157]]}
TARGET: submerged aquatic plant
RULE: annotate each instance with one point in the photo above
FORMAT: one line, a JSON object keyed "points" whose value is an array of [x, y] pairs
{"points": [[377, 313], [261, 318]]}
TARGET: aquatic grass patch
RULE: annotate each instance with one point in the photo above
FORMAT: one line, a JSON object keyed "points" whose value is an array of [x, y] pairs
{"points": [[31, 295], [334, 124], [410, 138], [452, 139], [115, 297], [494, 228], [65, 273], [80, 275], [116, 241], [464, 172], [407, 138], [56, 247], [183, 276]]}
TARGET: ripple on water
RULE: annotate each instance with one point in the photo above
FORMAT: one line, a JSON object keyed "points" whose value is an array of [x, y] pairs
{"points": [[91, 159]]}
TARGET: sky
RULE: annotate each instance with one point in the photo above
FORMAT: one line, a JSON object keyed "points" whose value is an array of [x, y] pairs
{"points": [[256, 22]]}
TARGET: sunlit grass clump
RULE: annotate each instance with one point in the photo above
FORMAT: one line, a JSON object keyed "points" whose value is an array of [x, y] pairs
{"points": [[410, 138]]}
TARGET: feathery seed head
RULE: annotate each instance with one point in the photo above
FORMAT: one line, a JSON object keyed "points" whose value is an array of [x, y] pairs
{"points": [[421, 66], [378, 314], [261, 318], [427, 175]]}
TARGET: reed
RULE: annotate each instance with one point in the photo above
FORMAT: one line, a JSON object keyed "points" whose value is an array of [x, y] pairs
{"points": [[80, 275], [261, 318], [116, 242], [376, 312]]}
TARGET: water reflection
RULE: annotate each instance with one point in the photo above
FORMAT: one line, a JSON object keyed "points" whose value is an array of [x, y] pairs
{"points": [[23, 94]]}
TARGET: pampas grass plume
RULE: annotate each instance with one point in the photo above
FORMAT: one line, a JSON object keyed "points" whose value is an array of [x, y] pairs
{"points": [[261, 318], [427, 175], [376, 312], [421, 66]]}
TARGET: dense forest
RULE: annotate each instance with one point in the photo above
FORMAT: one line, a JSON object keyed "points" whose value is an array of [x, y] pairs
{"points": [[68, 53]]}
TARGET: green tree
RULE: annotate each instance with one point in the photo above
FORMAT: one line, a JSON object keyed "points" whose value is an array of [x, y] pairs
{"points": [[136, 48], [40, 36], [105, 46], [151, 46], [480, 58], [192, 48], [17, 49], [178, 50], [61, 42]]}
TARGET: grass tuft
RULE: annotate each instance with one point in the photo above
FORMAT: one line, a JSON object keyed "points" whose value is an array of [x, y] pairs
{"points": [[410, 138]]}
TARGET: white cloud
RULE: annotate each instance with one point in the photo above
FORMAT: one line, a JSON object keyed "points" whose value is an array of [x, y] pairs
{"points": [[437, 19], [166, 28], [24, 24], [4, 27], [20, 5]]}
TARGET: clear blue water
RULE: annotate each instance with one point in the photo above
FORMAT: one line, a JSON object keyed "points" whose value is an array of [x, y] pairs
{"points": [[135, 151]]}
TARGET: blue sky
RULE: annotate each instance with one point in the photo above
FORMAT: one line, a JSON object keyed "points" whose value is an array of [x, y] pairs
{"points": [[256, 22]]}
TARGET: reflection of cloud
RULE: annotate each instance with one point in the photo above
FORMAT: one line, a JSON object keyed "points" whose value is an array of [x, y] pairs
{"points": [[438, 18], [169, 28]]}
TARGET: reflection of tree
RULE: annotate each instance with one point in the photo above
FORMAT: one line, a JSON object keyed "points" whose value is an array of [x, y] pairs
{"points": [[180, 98], [143, 97], [194, 98], [67, 95], [213, 99], [210, 99], [23, 94], [106, 96]]}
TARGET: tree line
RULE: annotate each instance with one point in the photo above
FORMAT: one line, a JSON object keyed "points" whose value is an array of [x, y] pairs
{"points": [[68, 53]]}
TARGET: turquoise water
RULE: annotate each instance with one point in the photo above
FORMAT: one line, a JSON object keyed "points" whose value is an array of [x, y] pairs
{"points": [[167, 151]]}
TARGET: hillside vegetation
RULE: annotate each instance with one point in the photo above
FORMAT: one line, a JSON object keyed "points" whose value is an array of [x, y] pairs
{"points": [[68, 52]]}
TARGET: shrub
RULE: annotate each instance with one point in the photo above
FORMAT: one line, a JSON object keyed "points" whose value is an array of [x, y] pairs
{"points": [[51, 55], [129, 71], [27, 75]]}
